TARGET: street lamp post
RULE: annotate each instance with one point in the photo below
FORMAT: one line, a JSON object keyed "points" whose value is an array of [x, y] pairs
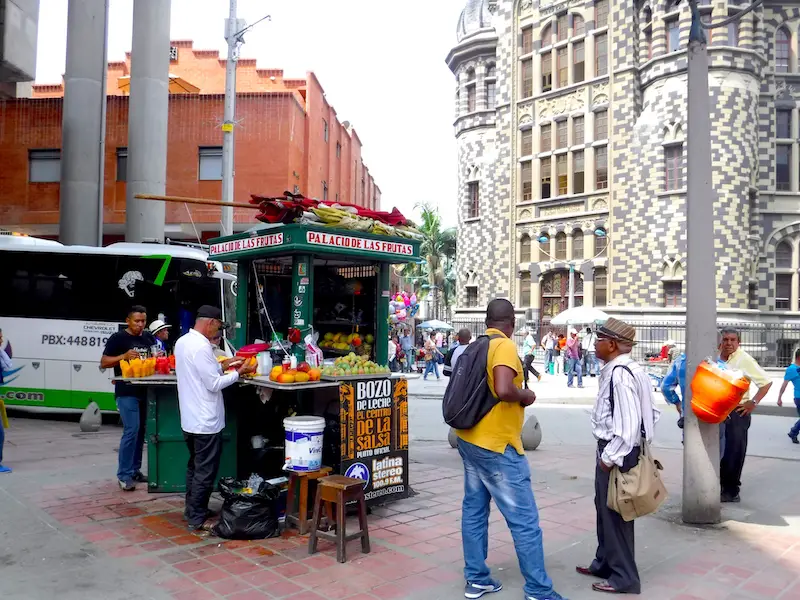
{"points": [[701, 499]]}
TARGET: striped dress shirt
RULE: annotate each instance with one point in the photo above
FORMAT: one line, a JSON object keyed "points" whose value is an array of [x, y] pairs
{"points": [[633, 403]]}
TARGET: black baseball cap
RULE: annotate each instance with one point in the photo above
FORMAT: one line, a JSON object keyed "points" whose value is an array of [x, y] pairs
{"points": [[209, 312]]}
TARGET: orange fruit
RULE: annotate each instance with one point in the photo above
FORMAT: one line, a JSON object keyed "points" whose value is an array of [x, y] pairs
{"points": [[286, 378], [314, 374], [301, 377]]}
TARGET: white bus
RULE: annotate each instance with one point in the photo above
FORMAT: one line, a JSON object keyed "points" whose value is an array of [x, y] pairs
{"points": [[59, 304]]}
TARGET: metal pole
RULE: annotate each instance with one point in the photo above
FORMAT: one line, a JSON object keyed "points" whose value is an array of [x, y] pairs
{"points": [[101, 191], [701, 501], [231, 28]]}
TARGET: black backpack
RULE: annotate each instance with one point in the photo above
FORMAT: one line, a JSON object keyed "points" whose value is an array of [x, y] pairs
{"points": [[448, 359], [468, 398]]}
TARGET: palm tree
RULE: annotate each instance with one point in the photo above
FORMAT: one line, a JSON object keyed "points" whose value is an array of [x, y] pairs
{"points": [[438, 251]]}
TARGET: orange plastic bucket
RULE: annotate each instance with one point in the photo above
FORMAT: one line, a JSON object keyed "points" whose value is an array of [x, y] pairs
{"points": [[714, 396]]}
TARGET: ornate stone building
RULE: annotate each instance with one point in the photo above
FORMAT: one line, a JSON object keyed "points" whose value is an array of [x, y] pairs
{"points": [[571, 131]]}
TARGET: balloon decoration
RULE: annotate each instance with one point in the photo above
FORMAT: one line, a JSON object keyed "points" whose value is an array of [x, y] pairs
{"points": [[403, 307]]}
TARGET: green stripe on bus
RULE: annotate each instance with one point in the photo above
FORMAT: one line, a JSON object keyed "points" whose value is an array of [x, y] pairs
{"points": [[18, 396], [162, 274]]}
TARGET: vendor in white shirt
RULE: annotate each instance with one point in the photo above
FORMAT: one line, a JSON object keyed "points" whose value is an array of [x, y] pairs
{"points": [[201, 380]]}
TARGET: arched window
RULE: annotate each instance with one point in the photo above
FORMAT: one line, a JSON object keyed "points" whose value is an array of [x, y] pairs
{"points": [[561, 245], [783, 256], [525, 249], [783, 46], [491, 87], [577, 244], [525, 289], [578, 25], [547, 35], [471, 91], [544, 246]]}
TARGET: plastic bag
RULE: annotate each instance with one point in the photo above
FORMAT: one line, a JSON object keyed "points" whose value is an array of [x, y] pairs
{"points": [[247, 516]]}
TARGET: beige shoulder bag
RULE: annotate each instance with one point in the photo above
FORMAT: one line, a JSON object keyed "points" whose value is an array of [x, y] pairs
{"points": [[639, 491]]}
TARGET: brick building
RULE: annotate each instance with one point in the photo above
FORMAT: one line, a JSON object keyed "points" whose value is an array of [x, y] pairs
{"points": [[571, 129], [288, 137]]}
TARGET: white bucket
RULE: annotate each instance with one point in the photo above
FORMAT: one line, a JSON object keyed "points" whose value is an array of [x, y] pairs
{"points": [[303, 443]]}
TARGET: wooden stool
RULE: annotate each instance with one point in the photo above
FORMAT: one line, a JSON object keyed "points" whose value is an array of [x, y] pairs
{"points": [[340, 490], [301, 478]]}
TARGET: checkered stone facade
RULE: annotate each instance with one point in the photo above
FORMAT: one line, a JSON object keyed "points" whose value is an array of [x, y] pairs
{"points": [[646, 98]]}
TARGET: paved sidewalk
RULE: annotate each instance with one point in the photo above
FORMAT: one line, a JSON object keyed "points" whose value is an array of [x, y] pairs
{"points": [[552, 389], [66, 531]]}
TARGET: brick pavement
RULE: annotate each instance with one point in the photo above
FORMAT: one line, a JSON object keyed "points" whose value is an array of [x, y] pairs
{"points": [[60, 481]]}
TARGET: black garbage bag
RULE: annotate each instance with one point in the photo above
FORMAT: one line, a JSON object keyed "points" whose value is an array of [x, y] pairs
{"points": [[247, 516]]}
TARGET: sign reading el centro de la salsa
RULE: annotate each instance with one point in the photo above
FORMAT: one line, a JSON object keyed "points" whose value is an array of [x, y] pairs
{"points": [[374, 436], [356, 243], [262, 241]]}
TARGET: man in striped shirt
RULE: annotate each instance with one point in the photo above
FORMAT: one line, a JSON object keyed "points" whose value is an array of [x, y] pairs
{"points": [[618, 430]]}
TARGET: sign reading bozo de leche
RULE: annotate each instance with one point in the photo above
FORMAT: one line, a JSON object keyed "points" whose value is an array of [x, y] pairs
{"points": [[374, 436]]}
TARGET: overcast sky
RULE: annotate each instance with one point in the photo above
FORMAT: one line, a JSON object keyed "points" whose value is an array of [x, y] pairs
{"points": [[381, 64]]}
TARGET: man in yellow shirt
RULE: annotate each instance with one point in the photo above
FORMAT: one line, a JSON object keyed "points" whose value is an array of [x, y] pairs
{"points": [[495, 467], [738, 422]]}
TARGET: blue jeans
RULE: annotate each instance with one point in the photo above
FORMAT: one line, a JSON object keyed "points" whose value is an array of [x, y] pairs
{"points": [[794, 432], [591, 363], [574, 366], [134, 418], [430, 367], [548, 359], [506, 478]]}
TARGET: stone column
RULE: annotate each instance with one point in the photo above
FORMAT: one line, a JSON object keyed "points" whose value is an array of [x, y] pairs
{"points": [[589, 176], [83, 124], [587, 270], [569, 245], [588, 70], [570, 173], [553, 233], [588, 244], [148, 113], [795, 131], [794, 297], [537, 73], [536, 294]]}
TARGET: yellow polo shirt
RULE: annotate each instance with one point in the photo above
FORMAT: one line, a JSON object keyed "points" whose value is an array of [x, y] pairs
{"points": [[503, 424], [742, 361]]}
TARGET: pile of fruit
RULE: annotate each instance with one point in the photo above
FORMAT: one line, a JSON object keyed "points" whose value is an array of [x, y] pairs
{"points": [[348, 218], [138, 367], [302, 374], [343, 342], [352, 364]]}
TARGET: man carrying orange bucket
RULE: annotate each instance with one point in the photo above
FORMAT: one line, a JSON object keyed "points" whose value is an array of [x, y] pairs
{"points": [[738, 422]]}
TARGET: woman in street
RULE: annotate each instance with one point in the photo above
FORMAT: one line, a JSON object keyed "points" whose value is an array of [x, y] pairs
{"points": [[431, 358]]}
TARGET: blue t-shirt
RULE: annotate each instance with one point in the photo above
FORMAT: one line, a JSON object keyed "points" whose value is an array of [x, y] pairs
{"points": [[793, 375]]}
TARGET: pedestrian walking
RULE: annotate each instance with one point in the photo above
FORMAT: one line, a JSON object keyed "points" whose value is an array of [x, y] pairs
{"points": [[431, 358], [589, 352], [463, 340], [738, 422], [409, 352], [392, 355], [129, 344], [495, 468], [201, 380], [559, 349], [792, 374], [618, 431], [548, 344], [528, 349], [5, 365], [574, 366]]}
